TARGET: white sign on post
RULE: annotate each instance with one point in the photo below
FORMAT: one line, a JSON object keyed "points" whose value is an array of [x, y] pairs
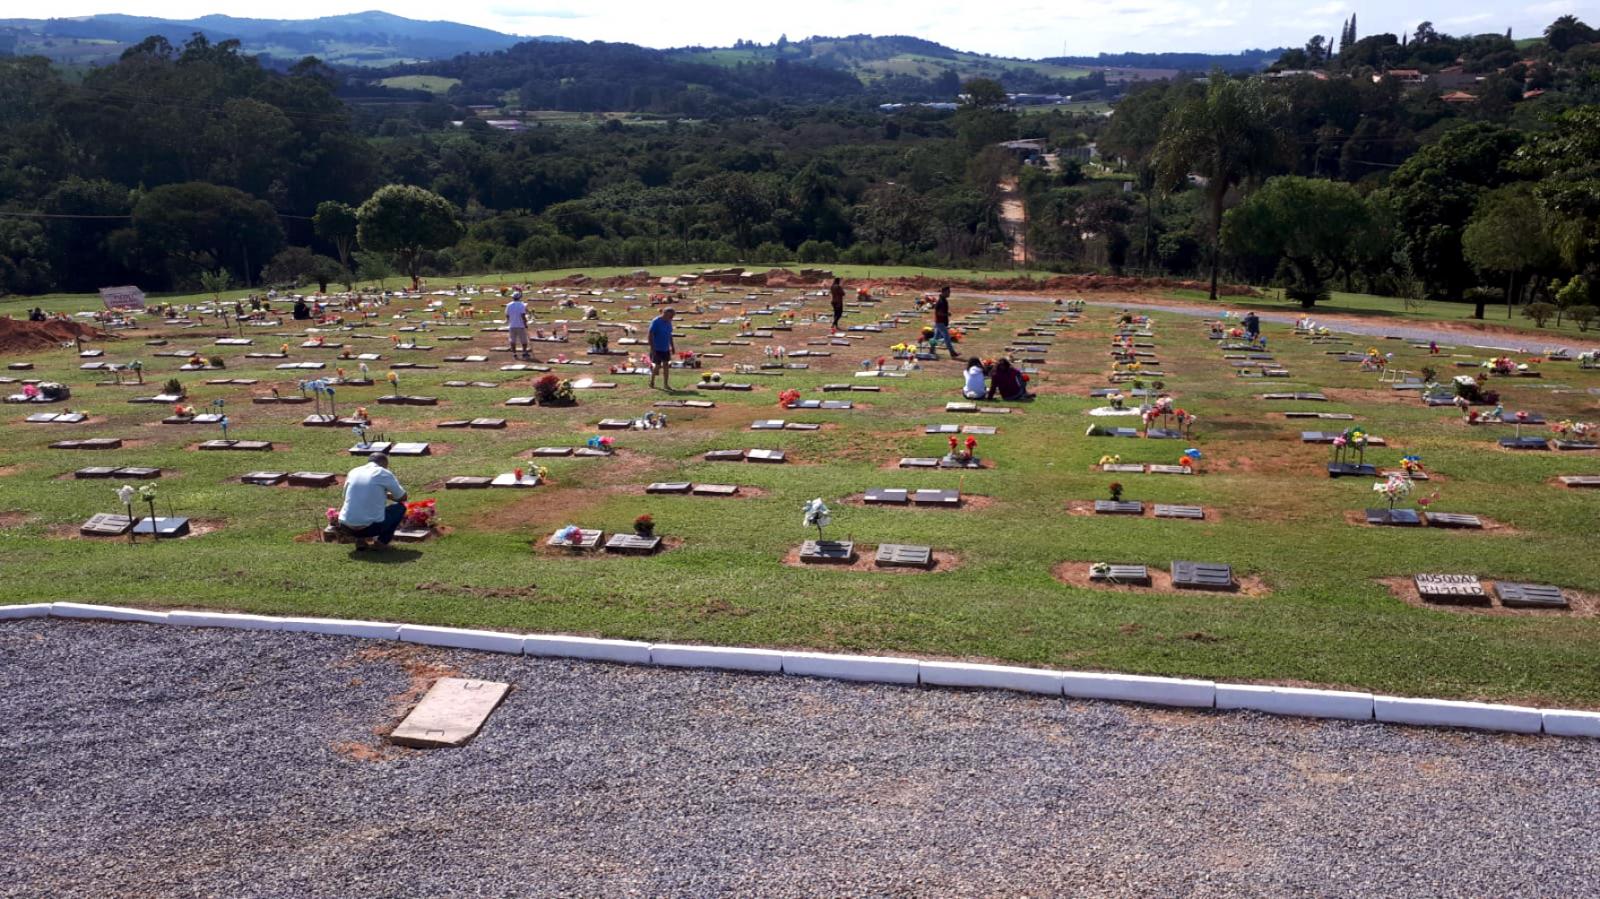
{"points": [[128, 297]]}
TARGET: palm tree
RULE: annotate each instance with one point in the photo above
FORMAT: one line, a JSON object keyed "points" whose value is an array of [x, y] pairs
{"points": [[1225, 136]]}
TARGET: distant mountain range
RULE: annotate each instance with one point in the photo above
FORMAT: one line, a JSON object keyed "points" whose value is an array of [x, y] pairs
{"points": [[381, 40], [365, 38]]}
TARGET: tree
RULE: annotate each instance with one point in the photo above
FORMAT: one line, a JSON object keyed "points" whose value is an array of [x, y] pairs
{"points": [[215, 282], [1224, 136], [984, 93], [193, 227], [296, 266], [336, 223], [1566, 160], [1508, 235], [373, 267], [1567, 32], [406, 222], [1311, 224], [1572, 296], [1434, 194]]}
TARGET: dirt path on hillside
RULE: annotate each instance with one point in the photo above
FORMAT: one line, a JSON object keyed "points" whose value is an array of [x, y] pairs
{"points": [[1479, 335], [1014, 220]]}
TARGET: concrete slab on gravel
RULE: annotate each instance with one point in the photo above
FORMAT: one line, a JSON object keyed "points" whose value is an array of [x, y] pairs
{"points": [[452, 713]]}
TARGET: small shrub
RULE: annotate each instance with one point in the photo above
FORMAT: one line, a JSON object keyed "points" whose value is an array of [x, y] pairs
{"points": [[599, 341], [217, 362], [1583, 315], [173, 387], [1539, 312]]}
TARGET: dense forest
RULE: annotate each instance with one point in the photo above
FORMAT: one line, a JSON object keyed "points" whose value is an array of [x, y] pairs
{"points": [[191, 164]]}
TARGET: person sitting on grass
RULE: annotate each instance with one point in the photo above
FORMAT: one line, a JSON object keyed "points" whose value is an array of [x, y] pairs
{"points": [[1008, 383], [374, 503], [973, 389]]}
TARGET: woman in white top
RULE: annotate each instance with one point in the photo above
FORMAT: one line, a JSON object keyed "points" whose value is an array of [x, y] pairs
{"points": [[973, 389]]}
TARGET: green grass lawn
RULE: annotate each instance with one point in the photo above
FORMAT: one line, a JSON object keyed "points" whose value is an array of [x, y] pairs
{"points": [[434, 84], [1422, 311], [1325, 617], [67, 302]]}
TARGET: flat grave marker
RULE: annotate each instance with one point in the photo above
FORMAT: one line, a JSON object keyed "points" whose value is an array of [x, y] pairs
{"points": [[632, 545], [828, 552], [669, 487], [903, 555], [1117, 507], [584, 539], [1195, 513], [715, 489], [1138, 575], [94, 472], [936, 497], [105, 525], [1459, 589], [1203, 576], [162, 527], [1404, 518], [1454, 520], [264, 478], [1530, 596]]}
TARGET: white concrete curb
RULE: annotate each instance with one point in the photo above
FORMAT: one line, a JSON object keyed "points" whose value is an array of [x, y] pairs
{"points": [[1162, 691], [731, 658], [458, 638], [993, 677], [1296, 701], [627, 652], [1453, 713], [109, 613], [1571, 724], [872, 669]]}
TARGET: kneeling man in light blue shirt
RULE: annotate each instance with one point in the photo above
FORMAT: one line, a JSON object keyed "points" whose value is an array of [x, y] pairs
{"points": [[374, 502]]}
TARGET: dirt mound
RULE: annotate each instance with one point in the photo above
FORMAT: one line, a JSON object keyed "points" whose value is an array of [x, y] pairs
{"points": [[18, 335], [779, 277]]}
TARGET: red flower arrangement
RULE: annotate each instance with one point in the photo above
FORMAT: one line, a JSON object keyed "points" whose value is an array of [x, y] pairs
{"points": [[421, 514]]}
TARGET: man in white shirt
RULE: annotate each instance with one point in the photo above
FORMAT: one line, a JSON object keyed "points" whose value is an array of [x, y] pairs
{"points": [[517, 322], [374, 502]]}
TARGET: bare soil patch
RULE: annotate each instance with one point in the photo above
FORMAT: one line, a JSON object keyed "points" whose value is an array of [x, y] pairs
{"points": [[14, 518], [1076, 574], [1585, 604]]}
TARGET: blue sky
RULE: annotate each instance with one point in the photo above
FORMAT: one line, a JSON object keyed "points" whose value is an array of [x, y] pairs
{"points": [[1030, 28]]}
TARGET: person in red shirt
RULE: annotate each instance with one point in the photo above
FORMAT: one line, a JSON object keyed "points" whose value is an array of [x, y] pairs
{"points": [[1008, 383]]}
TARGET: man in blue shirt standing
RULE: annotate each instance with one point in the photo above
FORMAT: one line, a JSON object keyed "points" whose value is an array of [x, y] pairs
{"points": [[374, 503], [662, 347]]}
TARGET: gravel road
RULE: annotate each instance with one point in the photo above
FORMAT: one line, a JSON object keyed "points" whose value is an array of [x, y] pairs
{"points": [[153, 761]]}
